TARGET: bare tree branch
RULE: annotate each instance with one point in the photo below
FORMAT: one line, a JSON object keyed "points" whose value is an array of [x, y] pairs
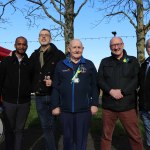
{"points": [[4, 6], [50, 16], [80, 7], [57, 9], [121, 12]]}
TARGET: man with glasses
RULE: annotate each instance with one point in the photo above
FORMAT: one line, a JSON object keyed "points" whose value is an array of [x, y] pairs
{"points": [[43, 61], [118, 78]]}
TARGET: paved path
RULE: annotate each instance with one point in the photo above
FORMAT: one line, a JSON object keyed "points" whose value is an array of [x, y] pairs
{"points": [[33, 140]]}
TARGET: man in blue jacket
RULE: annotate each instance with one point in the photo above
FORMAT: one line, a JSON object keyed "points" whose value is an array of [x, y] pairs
{"points": [[75, 96], [118, 78]]}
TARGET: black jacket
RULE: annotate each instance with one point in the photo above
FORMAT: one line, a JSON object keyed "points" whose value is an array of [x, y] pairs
{"points": [[15, 79], [144, 91], [119, 74], [51, 58]]}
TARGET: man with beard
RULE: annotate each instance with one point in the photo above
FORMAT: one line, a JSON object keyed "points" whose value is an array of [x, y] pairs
{"points": [[15, 79], [43, 61]]}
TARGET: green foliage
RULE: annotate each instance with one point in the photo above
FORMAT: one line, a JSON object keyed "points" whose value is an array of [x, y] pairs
{"points": [[96, 123], [33, 116]]}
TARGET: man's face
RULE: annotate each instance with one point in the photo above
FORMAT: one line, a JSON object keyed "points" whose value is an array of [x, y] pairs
{"points": [[116, 46], [148, 48], [44, 37], [21, 46], [75, 49]]}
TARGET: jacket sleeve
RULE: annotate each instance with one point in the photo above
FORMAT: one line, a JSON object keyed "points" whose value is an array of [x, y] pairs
{"points": [[61, 55], [101, 81], [55, 97], [94, 87], [2, 75], [133, 85]]}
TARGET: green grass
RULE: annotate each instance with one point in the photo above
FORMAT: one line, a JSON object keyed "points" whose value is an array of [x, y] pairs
{"points": [[32, 117], [119, 130], [96, 125]]}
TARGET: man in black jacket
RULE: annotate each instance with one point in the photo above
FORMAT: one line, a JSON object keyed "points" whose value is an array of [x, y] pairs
{"points": [[118, 78], [43, 61], [15, 79], [144, 94]]}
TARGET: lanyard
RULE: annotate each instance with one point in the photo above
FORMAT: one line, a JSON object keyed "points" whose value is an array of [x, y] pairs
{"points": [[76, 74]]}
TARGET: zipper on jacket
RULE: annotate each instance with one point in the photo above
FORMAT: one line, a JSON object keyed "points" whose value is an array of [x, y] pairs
{"points": [[18, 83], [73, 93]]}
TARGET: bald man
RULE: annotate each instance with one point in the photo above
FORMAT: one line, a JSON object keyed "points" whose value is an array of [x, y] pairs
{"points": [[118, 78], [75, 96]]}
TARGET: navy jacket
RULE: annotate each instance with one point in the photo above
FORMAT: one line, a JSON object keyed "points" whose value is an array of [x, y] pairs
{"points": [[119, 74], [75, 97], [144, 91]]}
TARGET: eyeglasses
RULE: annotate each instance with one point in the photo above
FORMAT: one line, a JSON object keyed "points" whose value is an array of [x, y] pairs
{"points": [[117, 44], [44, 35]]}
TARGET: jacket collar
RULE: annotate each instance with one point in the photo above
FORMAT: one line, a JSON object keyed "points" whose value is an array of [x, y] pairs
{"points": [[68, 62], [52, 49], [14, 57], [124, 58], [147, 60]]}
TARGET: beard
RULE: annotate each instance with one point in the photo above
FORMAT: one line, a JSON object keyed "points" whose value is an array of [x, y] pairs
{"points": [[44, 43]]}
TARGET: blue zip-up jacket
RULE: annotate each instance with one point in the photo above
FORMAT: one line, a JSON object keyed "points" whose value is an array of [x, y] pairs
{"points": [[75, 97]]}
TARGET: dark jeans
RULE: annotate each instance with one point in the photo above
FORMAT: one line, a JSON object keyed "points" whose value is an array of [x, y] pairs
{"points": [[75, 130], [15, 116], [47, 120], [129, 121], [145, 115]]}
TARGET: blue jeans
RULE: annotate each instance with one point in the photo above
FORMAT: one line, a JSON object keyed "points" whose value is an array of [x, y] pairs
{"points": [[47, 120], [145, 115]]}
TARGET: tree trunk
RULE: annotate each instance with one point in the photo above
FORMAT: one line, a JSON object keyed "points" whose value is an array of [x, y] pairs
{"points": [[140, 32], [69, 22], [140, 44]]}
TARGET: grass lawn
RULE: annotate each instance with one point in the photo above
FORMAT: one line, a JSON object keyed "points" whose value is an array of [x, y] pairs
{"points": [[95, 127]]}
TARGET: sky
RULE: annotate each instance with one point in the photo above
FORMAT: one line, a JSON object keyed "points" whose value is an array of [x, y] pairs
{"points": [[95, 39]]}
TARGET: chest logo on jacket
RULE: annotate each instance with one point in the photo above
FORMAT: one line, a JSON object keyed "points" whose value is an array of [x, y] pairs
{"points": [[66, 70], [83, 69]]}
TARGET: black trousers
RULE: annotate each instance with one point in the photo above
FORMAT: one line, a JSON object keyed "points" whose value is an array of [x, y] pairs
{"points": [[15, 116]]}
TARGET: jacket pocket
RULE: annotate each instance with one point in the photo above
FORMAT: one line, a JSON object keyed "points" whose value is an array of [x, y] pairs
{"points": [[108, 71], [128, 70]]}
